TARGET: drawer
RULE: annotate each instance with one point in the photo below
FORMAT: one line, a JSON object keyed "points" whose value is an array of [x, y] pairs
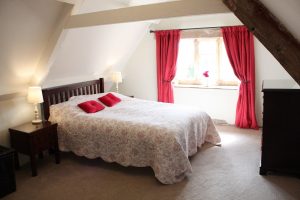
{"points": [[41, 141]]}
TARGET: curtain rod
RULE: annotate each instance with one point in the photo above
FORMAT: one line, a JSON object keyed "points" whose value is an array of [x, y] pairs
{"points": [[211, 27]]}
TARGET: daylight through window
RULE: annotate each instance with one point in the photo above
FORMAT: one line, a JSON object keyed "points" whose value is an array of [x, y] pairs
{"points": [[204, 61]]}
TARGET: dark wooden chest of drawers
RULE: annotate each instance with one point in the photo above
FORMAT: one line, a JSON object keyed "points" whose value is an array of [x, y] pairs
{"points": [[7, 171], [281, 130]]}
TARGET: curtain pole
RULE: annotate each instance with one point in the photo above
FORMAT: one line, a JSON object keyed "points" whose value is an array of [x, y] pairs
{"points": [[211, 27]]}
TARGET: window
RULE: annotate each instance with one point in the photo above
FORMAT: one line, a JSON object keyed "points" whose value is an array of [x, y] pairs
{"points": [[197, 55]]}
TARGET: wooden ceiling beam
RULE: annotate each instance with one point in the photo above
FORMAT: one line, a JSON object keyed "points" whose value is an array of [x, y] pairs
{"points": [[270, 32], [148, 12]]}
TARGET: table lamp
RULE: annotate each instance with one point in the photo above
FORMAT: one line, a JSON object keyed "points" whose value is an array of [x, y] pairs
{"points": [[35, 96], [117, 78]]}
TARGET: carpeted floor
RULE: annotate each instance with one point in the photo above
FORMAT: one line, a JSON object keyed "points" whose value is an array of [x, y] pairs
{"points": [[227, 172]]}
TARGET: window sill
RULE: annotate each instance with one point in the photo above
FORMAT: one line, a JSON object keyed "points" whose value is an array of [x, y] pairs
{"points": [[217, 87]]}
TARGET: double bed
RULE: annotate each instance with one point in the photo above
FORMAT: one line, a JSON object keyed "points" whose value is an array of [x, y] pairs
{"points": [[133, 132]]}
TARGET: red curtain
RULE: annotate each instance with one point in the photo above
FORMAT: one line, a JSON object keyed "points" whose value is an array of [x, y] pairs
{"points": [[166, 57], [240, 50]]}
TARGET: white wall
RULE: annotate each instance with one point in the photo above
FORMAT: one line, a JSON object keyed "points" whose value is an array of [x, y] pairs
{"points": [[218, 103], [140, 73]]}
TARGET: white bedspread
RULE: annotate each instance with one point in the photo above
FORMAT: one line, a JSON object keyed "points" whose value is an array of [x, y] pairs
{"points": [[137, 133]]}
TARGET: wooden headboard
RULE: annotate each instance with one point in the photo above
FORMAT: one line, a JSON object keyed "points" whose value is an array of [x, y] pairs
{"points": [[62, 93]]}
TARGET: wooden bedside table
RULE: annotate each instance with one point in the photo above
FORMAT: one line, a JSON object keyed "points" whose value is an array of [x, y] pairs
{"points": [[31, 139]]}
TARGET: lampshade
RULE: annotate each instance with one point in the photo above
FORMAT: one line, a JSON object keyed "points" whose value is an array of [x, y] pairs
{"points": [[117, 77], [35, 95]]}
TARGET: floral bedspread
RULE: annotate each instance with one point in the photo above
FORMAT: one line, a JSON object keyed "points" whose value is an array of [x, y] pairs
{"points": [[137, 133]]}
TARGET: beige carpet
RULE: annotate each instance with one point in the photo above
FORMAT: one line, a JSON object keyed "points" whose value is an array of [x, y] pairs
{"points": [[227, 172]]}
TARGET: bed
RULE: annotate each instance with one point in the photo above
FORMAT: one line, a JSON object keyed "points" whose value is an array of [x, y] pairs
{"points": [[134, 132]]}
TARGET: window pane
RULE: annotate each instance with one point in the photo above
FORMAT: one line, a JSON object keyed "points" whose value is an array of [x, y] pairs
{"points": [[208, 59], [185, 61], [197, 55]]}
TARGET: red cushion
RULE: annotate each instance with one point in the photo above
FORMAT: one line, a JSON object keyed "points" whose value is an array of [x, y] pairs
{"points": [[91, 106], [117, 99], [109, 99]]}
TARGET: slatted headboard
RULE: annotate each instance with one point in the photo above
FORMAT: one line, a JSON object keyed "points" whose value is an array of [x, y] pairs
{"points": [[62, 93]]}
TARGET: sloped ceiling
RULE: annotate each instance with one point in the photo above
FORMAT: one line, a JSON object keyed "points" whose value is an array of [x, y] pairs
{"points": [[90, 53], [84, 53], [25, 28], [287, 12], [93, 52]]}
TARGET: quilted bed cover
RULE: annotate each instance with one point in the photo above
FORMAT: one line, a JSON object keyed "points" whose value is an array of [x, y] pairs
{"points": [[137, 133]]}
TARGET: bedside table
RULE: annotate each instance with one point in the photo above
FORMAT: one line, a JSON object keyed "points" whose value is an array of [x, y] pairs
{"points": [[31, 139]]}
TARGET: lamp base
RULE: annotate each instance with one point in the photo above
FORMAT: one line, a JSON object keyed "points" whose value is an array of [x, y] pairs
{"points": [[36, 121]]}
